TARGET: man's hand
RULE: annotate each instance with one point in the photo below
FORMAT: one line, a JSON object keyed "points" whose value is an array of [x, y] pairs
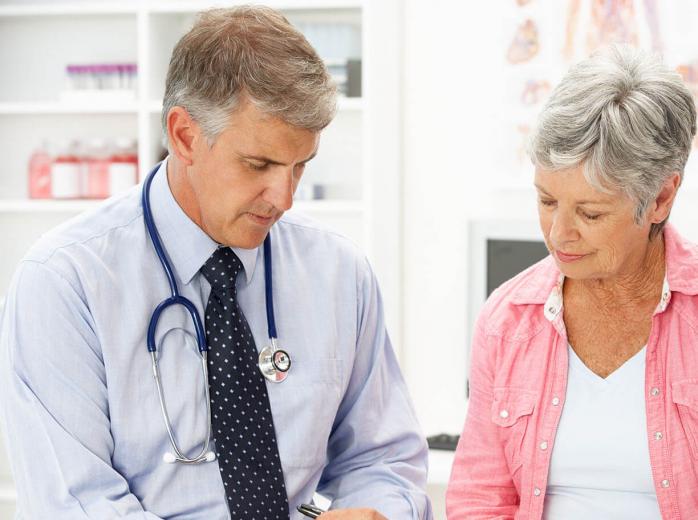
{"points": [[352, 514]]}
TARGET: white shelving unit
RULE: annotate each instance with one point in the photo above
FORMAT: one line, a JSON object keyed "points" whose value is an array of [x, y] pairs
{"points": [[143, 33], [359, 160]]}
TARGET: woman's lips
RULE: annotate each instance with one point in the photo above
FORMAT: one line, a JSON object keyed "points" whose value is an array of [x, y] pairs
{"points": [[566, 258]]}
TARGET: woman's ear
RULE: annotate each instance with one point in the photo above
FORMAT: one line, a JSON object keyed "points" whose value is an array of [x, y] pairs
{"points": [[183, 133], [660, 209]]}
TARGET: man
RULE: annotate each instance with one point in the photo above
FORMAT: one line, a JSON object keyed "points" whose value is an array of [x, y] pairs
{"points": [[246, 99]]}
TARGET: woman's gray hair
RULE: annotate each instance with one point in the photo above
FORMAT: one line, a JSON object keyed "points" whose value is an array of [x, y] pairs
{"points": [[247, 53], [623, 115]]}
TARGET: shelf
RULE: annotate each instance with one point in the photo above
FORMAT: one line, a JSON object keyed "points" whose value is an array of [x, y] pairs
{"points": [[46, 205], [57, 107]]}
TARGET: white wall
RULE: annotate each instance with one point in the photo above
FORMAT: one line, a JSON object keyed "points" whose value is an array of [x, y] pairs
{"points": [[451, 91]]}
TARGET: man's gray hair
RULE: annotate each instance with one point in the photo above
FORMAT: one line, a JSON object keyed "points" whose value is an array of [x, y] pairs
{"points": [[247, 53], [625, 117]]}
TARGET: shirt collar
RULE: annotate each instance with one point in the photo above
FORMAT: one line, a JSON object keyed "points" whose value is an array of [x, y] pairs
{"points": [[187, 245], [681, 257], [537, 288], [681, 262]]}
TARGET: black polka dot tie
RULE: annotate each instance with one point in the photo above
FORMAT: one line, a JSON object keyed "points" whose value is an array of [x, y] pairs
{"points": [[243, 429]]}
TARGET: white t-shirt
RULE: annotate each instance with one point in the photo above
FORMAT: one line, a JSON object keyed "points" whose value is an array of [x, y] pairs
{"points": [[600, 464]]}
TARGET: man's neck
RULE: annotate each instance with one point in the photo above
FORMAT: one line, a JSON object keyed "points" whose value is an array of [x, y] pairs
{"points": [[181, 190]]}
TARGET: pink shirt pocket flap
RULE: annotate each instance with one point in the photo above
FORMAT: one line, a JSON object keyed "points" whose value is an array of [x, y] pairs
{"points": [[685, 393], [510, 404]]}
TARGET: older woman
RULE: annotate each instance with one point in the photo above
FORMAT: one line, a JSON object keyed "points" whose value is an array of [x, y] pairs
{"points": [[584, 380]]}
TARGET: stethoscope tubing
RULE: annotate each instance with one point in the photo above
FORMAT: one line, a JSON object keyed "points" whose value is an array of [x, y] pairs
{"points": [[177, 299]]}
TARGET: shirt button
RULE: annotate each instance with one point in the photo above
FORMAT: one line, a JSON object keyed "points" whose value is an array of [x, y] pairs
{"points": [[665, 483], [658, 436], [544, 445], [655, 391], [504, 414], [536, 492], [556, 401]]}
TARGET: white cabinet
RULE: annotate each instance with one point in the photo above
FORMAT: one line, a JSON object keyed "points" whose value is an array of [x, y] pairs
{"points": [[40, 39], [356, 170]]}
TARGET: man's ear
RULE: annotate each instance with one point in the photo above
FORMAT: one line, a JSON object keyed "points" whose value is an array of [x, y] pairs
{"points": [[183, 133], [661, 207]]}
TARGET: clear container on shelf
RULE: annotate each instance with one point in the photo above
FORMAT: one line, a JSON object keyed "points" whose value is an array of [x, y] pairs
{"points": [[96, 169], [128, 73], [66, 171], [40, 173], [123, 166], [97, 82]]}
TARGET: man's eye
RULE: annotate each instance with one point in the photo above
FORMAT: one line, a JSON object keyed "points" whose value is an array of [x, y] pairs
{"points": [[258, 167]]}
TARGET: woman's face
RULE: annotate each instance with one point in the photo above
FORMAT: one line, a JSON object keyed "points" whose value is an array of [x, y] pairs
{"points": [[591, 234]]}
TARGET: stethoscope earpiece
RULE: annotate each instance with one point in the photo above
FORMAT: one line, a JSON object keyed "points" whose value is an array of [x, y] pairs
{"points": [[168, 458]]}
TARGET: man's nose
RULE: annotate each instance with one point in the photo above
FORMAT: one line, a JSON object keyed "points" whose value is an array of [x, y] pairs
{"points": [[279, 193]]}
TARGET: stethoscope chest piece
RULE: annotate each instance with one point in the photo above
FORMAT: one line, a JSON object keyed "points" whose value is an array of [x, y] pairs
{"points": [[274, 363]]}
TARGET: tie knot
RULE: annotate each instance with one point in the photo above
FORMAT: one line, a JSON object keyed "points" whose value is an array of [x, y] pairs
{"points": [[221, 269]]}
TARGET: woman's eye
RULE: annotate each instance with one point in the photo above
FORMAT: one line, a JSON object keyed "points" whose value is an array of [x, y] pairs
{"points": [[545, 202], [589, 216]]}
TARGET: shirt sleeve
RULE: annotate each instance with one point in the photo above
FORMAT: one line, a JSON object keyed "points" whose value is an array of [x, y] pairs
{"points": [[54, 403], [480, 487], [377, 455]]}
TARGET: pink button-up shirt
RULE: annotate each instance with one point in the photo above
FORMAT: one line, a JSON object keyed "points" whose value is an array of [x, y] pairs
{"points": [[517, 391]]}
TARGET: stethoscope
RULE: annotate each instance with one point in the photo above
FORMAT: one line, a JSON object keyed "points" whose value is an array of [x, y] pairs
{"points": [[274, 362]]}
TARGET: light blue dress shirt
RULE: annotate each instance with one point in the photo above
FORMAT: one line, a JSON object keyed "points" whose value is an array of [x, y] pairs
{"points": [[80, 408]]}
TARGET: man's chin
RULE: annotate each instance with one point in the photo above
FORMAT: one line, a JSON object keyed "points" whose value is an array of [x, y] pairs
{"points": [[251, 239]]}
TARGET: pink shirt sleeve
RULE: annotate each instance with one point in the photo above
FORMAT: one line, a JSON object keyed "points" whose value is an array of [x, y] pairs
{"points": [[480, 486]]}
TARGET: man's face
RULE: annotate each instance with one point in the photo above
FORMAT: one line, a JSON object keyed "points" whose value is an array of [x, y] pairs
{"points": [[591, 234], [238, 188]]}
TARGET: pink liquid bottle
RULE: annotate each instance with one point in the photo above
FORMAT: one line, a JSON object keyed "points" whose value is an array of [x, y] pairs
{"points": [[66, 171], [123, 166], [97, 169], [40, 173]]}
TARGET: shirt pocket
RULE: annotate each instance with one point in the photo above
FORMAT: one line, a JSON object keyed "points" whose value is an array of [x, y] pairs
{"points": [[305, 406], [685, 397], [511, 411]]}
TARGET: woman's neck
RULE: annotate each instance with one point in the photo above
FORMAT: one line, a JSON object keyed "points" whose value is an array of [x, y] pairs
{"points": [[638, 284]]}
